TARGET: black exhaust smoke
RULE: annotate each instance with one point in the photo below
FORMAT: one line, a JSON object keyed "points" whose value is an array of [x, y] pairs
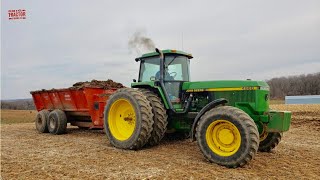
{"points": [[140, 43]]}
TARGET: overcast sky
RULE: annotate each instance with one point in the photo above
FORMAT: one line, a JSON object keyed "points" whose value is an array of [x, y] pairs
{"points": [[63, 42]]}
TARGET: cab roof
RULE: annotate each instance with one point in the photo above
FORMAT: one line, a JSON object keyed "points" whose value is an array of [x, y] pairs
{"points": [[165, 52]]}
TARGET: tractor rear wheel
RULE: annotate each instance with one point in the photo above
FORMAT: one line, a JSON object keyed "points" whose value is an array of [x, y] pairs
{"points": [[159, 117], [128, 119], [57, 122], [41, 121], [227, 136], [269, 141]]}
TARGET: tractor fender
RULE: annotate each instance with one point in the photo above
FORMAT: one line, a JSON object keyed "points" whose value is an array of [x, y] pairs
{"points": [[206, 108]]}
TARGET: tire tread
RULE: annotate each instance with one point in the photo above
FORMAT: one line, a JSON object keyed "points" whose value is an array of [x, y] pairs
{"points": [[271, 141], [159, 117]]}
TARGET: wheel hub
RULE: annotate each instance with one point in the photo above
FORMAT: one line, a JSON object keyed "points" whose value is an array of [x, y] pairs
{"points": [[223, 137], [39, 121], [226, 137], [51, 123], [122, 119]]}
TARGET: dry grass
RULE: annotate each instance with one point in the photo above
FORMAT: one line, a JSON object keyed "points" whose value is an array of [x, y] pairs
{"points": [[276, 101], [302, 114], [88, 155], [301, 108], [17, 116]]}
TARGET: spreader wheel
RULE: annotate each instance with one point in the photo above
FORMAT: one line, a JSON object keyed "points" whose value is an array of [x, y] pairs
{"points": [[57, 122], [227, 136], [41, 121], [128, 119]]}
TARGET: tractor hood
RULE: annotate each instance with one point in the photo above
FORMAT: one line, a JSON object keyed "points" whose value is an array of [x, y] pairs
{"points": [[224, 85]]}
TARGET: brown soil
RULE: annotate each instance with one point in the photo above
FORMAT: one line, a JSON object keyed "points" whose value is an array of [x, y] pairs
{"points": [[109, 84], [87, 154]]}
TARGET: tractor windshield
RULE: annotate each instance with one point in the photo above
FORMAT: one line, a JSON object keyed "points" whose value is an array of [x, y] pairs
{"points": [[176, 68]]}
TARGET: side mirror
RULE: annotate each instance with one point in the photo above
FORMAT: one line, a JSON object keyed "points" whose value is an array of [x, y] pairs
{"points": [[134, 80]]}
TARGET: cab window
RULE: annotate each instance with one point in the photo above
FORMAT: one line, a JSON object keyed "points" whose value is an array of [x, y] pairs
{"points": [[149, 68], [176, 68]]}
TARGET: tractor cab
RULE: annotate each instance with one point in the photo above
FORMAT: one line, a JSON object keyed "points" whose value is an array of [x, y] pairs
{"points": [[172, 71]]}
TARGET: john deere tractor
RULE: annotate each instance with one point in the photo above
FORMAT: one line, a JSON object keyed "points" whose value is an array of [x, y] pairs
{"points": [[230, 120]]}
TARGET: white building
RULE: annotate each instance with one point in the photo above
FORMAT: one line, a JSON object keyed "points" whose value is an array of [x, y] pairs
{"points": [[309, 99]]}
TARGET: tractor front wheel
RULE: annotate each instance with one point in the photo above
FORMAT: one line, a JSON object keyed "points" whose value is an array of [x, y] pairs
{"points": [[128, 119], [227, 136], [269, 141]]}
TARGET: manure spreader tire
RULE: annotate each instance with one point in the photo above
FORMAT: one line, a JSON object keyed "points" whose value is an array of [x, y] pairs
{"points": [[128, 119], [41, 121], [227, 136], [57, 122]]}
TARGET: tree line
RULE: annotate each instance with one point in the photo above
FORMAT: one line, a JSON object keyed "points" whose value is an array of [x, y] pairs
{"points": [[294, 85], [21, 104]]}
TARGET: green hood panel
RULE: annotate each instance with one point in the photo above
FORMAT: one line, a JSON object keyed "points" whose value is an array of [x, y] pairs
{"points": [[223, 84]]}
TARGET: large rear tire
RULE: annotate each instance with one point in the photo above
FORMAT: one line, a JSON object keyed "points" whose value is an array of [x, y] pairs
{"points": [[269, 141], [41, 121], [227, 136], [159, 117], [128, 119], [57, 122]]}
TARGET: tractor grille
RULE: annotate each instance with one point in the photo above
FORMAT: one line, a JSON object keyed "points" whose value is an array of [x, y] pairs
{"points": [[236, 96]]}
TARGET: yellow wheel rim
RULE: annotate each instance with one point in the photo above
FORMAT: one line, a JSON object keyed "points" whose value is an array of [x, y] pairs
{"points": [[223, 138], [122, 119], [264, 133]]}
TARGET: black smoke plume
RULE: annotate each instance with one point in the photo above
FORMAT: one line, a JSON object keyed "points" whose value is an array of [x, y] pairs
{"points": [[140, 43]]}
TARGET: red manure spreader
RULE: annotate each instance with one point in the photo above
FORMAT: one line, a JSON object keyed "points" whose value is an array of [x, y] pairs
{"points": [[82, 107]]}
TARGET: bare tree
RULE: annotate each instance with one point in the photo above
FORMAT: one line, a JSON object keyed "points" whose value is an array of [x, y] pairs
{"points": [[295, 85]]}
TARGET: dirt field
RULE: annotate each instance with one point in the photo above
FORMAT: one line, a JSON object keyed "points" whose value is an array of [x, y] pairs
{"points": [[86, 154]]}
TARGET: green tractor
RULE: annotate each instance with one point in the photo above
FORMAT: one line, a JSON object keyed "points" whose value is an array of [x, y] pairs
{"points": [[230, 120]]}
